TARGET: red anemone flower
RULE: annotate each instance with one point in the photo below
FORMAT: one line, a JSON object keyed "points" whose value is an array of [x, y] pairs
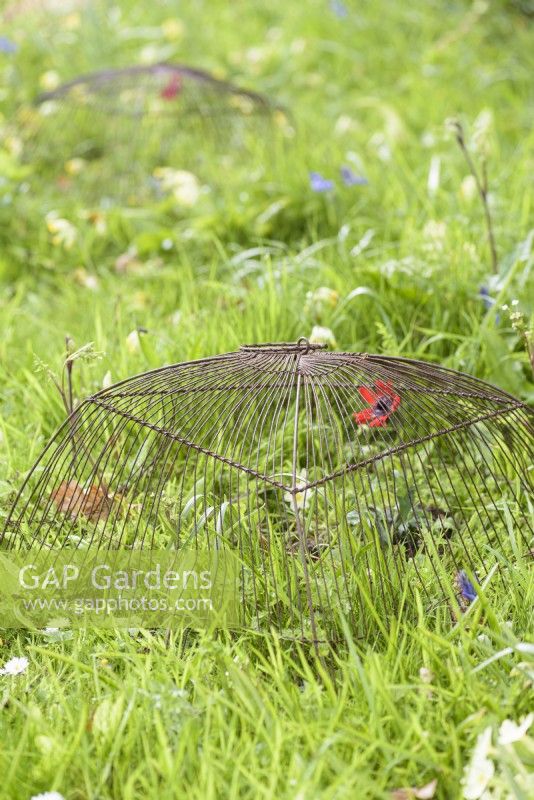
{"points": [[172, 89], [382, 403]]}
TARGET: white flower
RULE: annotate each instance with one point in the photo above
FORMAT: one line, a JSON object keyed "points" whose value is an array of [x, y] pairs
{"points": [[428, 139], [48, 796], [426, 675], [480, 770], [435, 233], [511, 732], [302, 498], [255, 55], [482, 130], [326, 295], [379, 143], [183, 185], [85, 279], [133, 342], [320, 335], [344, 124], [297, 46], [106, 718], [48, 108], [128, 261], [320, 301], [468, 188], [155, 53], [15, 666], [63, 232]]}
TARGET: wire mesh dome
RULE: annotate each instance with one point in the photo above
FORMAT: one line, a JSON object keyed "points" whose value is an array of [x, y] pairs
{"points": [[342, 481], [118, 131]]}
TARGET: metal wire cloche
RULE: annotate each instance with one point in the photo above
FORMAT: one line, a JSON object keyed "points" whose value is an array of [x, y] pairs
{"points": [[343, 482], [116, 132]]}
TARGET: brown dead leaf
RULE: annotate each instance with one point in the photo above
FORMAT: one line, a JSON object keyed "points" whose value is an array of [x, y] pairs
{"points": [[425, 792], [72, 499]]}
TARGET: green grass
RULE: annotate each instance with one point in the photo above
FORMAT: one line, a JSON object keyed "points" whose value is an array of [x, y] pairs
{"points": [[102, 715]]}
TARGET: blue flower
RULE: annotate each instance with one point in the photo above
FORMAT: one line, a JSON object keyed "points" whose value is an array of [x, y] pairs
{"points": [[7, 46], [465, 589], [486, 298], [349, 178], [339, 9], [488, 301], [320, 184]]}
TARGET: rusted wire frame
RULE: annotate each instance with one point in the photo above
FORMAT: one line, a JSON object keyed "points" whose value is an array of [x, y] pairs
{"points": [[143, 79], [121, 119], [124, 108], [256, 419]]}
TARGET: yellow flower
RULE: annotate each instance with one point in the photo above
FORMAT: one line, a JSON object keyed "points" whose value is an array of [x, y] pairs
{"points": [[241, 103], [97, 220], [75, 165], [173, 29], [49, 80], [72, 21], [13, 146]]}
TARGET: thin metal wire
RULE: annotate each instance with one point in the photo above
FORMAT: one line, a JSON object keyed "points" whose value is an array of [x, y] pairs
{"points": [[343, 482]]}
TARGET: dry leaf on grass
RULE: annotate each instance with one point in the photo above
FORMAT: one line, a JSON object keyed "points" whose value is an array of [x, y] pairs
{"points": [[72, 499], [425, 792]]}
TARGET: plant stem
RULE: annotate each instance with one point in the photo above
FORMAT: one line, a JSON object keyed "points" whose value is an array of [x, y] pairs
{"points": [[482, 188]]}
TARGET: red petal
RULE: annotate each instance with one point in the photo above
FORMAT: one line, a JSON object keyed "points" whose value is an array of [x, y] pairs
{"points": [[379, 422], [368, 395], [386, 388], [395, 404], [364, 416], [172, 89]]}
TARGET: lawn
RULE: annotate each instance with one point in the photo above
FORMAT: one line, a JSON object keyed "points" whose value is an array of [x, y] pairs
{"points": [[263, 247]]}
